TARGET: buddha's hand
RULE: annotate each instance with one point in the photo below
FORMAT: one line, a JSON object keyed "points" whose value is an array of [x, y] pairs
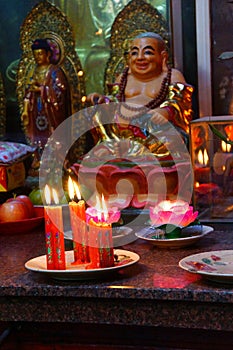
{"points": [[35, 87], [25, 118]]}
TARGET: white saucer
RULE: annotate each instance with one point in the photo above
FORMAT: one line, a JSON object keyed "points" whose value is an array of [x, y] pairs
{"points": [[145, 234], [125, 259], [214, 265]]}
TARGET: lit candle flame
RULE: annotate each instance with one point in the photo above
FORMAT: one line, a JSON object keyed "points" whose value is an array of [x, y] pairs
{"points": [[206, 157], [47, 194], [98, 208], [73, 189], [101, 209], [166, 205], [226, 147], [203, 157], [104, 209], [200, 157], [77, 192], [55, 196]]}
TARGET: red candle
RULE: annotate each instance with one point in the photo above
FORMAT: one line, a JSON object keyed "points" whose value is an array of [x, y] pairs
{"points": [[100, 240], [94, 245], [107, 243], [49, 241], [78, 225], [54, 235]]}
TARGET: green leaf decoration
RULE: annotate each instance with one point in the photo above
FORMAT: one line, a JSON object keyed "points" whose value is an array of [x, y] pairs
{"points": [[219, 134]]}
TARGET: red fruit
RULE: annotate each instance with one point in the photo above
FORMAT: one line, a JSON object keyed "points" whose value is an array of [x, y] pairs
{"points": [[28, 202], [13, 210]]}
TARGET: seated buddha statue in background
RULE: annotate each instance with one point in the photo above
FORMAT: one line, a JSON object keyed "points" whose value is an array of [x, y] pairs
{"points": [[153, 104], [151, 94]]}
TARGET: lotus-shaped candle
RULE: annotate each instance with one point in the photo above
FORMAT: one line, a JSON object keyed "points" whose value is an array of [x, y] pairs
{"points": [[171, 216], [100, 212], [113, 215]]}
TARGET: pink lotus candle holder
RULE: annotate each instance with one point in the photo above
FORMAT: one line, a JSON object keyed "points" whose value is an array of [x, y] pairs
{"points": [[171, 216]]}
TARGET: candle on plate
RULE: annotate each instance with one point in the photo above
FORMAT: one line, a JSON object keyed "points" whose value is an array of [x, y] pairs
{"points": [[54, 234], [78, 224], [100, 237]]}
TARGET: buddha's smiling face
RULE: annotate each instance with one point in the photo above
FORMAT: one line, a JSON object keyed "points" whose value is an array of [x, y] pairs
{"points": [[146, 57]]}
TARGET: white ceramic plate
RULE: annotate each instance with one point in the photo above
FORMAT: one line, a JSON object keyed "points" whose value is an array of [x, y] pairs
{"points": [[216, 265], [78, 272], [147, 232], [121, 235]]}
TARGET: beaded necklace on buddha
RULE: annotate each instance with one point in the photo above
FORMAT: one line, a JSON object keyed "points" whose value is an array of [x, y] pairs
{"points": [[40, 73], [154, 103]]}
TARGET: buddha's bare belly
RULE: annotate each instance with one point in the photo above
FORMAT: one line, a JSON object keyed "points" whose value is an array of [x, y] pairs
{"points": [[138, 100]]}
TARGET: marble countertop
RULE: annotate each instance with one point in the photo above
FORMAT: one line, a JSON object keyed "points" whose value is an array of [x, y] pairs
{"points": [[155, 291]]}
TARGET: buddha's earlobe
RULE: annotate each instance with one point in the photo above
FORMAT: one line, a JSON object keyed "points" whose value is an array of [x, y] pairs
{"points": [[164, 55]]}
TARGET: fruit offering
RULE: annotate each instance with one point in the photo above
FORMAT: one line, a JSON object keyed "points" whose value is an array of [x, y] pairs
{"points": [[36, 196], [16, 208]]}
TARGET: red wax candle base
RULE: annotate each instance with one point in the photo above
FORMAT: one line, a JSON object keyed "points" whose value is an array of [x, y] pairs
{"points": [[79, 229], [54, 236], [100, 245]]}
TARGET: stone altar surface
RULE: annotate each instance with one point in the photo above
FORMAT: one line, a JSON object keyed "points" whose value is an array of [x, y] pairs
{"points": [[153, 292]]}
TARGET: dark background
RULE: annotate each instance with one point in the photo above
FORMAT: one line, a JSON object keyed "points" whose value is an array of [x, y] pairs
{"points": [[222, 70]]}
